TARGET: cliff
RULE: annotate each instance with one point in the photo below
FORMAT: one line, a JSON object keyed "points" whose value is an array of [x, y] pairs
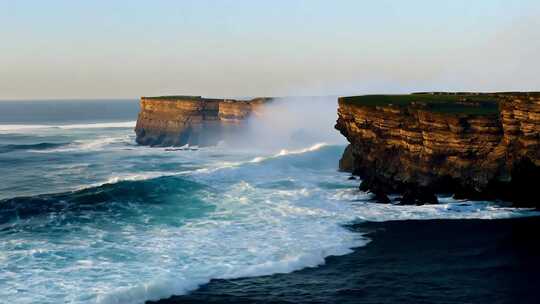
{"points": [[471, 145], [193, 120]]}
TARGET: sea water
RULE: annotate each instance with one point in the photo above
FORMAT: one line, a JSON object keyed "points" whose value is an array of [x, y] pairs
{"points": [[87, 215]]}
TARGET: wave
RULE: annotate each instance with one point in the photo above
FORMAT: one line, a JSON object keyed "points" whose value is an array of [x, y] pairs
{"points": [[88, 145], [131, 177], [145, 236], [95, 198], [143, 181], [7, 128], [163, 288], [312, 148], [36, 147], [74, 146], [150, 175], [285, 152], [125, 124], [189, 251], [260, 159]]}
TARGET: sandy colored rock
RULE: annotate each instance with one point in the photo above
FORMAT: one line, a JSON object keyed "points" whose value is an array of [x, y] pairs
{"points": [[488, 156], [193, 120]]}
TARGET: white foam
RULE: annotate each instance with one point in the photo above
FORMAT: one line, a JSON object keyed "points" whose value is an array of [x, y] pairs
{"points": [[128, 177], [244, 228], [258, 159], [85, 145], [252, 233], [125, 124], [456, 210], [312, 148], [18, 128]]}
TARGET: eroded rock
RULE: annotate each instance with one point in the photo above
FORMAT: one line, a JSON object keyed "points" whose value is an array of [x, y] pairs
{"points": [[417, 152], [193, 120]]}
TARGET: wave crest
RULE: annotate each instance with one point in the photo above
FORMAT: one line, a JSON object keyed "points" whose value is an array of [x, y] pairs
{"points": [[17, 128], [35, 147], [96, 198]]}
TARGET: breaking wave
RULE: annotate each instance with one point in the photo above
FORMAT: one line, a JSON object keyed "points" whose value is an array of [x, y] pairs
{"points": [[145, 236], [89, 145], [16, 128], [35, 147]]}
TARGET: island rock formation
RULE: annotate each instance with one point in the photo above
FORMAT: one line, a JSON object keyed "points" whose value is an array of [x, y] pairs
{"points": [[191, 120], [472, 145]]}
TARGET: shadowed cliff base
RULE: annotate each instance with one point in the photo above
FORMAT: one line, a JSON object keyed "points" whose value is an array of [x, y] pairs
{"points": [[482, 146], [406, 262]]}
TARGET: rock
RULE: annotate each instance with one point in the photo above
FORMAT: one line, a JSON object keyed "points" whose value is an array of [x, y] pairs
{"points": [[378, 190], [192, 120], [381, 198], [346, 163], [418, 196], [418, 151]]}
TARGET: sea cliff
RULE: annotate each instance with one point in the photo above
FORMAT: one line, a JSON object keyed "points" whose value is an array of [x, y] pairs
{"points": [[471, 145], [193, 120]]}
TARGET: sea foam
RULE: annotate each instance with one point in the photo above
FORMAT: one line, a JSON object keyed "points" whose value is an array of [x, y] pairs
{"points": [[144, 235], [20, 128]]}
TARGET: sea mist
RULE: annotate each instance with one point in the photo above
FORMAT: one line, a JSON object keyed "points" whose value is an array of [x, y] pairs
{"points": [[289, 123]]}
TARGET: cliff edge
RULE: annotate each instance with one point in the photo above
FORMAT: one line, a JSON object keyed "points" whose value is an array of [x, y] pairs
{"points": [[472, 145], [193, 120]]}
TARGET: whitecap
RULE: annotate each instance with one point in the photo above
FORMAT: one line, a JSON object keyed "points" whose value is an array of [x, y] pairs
{"points": [[125, 124], [85, 145], [21, 128], [250, 231]]}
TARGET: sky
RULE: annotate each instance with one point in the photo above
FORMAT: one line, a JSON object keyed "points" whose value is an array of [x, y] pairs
{"points": [[126, 49]]}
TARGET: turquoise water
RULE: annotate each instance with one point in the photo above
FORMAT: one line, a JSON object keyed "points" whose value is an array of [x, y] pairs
{"points": [[88, 216]]}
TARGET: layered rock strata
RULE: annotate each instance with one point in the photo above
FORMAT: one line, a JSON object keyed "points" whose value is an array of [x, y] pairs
{"points": [[193, 120], [417, 150]]}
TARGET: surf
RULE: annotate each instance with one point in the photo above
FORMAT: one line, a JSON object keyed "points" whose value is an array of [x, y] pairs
{"points": [[156, 236], [18, 128], [28, 147]]}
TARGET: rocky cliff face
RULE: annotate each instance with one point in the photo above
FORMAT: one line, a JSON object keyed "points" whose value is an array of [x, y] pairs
{"points": [[193, 120], [419, 149]]}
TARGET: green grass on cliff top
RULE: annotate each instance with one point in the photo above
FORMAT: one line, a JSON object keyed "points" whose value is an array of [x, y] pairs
{"points": [[452, 104]]}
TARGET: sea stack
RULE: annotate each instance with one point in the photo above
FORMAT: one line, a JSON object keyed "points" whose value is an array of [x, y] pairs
{"points": [[192, 120], [471, 145]]}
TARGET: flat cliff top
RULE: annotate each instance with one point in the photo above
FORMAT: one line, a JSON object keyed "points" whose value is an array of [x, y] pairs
{"points": [[180, 98], [467, 103], [173, 97]]}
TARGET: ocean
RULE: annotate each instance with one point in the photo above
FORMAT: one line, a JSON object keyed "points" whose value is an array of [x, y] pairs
{"points": [[88, 216]]}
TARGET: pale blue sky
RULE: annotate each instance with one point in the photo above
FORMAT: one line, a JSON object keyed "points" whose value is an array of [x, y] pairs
{"points": [[89, 49]]}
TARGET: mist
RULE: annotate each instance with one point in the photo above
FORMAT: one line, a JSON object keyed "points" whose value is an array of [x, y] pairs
{"points": [[290, 123]]}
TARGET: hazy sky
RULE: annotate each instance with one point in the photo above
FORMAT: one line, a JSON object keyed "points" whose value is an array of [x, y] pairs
{"points": [[89, 49]]}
